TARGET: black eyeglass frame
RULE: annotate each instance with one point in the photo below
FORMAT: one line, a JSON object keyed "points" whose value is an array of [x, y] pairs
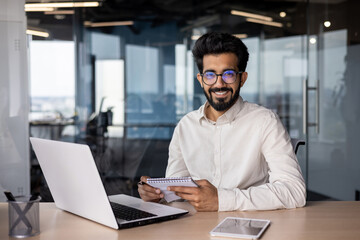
{"points": [[217, 75]]}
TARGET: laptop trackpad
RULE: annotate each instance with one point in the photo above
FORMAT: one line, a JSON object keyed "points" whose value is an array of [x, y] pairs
{"points": [[154, 208]]}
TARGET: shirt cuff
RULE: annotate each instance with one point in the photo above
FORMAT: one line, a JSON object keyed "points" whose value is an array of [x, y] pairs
{"points": [[226, 200]]}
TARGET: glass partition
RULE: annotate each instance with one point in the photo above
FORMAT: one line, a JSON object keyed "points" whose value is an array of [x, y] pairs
{"points": [[144, 74], [334, 59], [14, 102], [52, 82]]}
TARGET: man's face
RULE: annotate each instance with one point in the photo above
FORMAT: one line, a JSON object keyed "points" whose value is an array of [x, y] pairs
{"points": [[221, 96]]}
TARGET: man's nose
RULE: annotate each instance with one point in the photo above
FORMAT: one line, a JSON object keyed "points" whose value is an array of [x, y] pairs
{"points": [[219, 83]]}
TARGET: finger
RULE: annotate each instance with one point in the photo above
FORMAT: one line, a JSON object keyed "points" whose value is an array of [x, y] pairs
{"points": [[149, 197], [149, 188], [144, 178], [146, 196], [189, 197], [188, 190], [202, 182], [199, 207]]}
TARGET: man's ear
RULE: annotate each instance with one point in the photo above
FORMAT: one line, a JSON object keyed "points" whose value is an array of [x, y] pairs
{"points": [[199, 78], [244, 77]]}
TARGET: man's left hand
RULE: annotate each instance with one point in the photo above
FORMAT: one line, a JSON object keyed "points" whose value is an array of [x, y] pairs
{"points": [[203, 198]]}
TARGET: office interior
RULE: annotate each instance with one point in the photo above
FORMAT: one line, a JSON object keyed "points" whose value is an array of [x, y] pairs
{"points": [[118, 77]]}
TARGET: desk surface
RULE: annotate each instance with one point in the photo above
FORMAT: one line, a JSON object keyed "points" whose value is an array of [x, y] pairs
{"points": [[318, 220]]}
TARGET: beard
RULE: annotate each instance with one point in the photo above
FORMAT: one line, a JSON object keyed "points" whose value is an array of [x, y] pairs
{"points": [[222, 104]]}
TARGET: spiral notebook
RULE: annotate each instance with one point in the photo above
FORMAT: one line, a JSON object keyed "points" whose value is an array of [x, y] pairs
{"points": [[163, 183]]}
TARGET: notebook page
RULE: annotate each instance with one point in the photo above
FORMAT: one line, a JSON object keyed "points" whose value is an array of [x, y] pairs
{"points": [[163, 183]]}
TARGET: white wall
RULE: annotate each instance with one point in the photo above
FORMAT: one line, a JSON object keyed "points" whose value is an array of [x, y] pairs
{"points": [[14, 104]]}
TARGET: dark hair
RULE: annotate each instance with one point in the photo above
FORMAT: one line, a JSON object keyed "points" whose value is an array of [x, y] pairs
{"points": [[217, 43]]}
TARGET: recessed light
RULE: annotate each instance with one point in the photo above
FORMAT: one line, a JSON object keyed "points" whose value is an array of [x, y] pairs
{"points": [[108, 24], [62, 5], [195, 37], [251, 15], [240, 35], [37, 33], [59, 16], [39, 9], [62, 12], [312, 40], [327, 24], [274, 24]]}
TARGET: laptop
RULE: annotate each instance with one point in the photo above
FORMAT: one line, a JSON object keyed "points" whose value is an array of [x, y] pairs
{"points": [[76, 187]]}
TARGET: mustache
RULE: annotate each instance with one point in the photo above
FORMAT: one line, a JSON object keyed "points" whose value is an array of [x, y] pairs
{"points": [[220, 89]]}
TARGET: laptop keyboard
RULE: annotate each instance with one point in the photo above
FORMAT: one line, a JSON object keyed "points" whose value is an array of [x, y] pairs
{"points": [[129, 213]]}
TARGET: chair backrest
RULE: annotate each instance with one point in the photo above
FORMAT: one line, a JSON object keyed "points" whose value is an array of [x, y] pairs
{"points": [[296, 143]]}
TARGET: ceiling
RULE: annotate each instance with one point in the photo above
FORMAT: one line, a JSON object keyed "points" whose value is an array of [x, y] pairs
{"points": [[187, 14]]}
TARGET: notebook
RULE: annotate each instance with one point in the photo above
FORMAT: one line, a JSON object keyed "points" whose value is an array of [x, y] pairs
{"points": [[76, 186], [163, 183]]}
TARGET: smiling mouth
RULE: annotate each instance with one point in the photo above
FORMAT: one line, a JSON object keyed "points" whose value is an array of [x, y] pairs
{"points": [[221, 93]]}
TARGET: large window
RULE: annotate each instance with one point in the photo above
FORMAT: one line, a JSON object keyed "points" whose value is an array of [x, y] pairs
{"points": [[52, 89], [52, 78]]}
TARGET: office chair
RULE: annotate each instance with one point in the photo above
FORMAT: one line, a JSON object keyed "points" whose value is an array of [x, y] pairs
{"points": [[296, 143]]}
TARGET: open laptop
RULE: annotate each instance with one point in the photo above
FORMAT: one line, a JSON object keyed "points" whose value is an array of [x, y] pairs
{"points": [[76, 187]]}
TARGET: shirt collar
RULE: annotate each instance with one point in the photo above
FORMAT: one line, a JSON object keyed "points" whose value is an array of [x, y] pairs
{"points": [[227, 117]]}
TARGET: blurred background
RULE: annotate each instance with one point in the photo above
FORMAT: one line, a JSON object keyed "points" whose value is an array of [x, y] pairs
{"points": [[119, 74]]}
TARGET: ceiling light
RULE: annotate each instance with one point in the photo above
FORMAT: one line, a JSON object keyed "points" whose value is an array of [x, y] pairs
{"points": [[39, 9], [240, 35], [282, 14], [312, 40], [327, 24], [62, 4], [274, 24], [251, 15], [62, 12], [59, 17], [37, 33], [195, 37], [108, 24]]}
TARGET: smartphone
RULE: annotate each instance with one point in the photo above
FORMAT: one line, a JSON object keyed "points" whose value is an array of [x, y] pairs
{"points": [[240, 228]]}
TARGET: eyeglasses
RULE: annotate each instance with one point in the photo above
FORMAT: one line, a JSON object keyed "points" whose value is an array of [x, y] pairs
{"points": [[210, 77]]}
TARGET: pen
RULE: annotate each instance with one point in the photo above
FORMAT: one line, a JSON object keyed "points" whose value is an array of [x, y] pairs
{"points": [[9, 196], [34, 196], [142, 183]]}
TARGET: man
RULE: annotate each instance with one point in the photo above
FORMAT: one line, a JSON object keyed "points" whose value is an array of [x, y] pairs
{"points": [[239, 150]]}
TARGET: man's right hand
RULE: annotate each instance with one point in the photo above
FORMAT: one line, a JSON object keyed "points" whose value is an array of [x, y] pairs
{"points": [[147, 192]]}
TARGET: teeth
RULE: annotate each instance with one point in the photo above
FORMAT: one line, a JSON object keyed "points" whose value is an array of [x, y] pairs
{"points": [[220, 93]]}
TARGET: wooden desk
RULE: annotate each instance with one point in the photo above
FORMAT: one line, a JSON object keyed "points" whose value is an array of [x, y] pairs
{"points": [[318, 220]]}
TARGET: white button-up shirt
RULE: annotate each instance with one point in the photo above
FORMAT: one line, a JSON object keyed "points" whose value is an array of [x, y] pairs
{"points": [[246, 154]]}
